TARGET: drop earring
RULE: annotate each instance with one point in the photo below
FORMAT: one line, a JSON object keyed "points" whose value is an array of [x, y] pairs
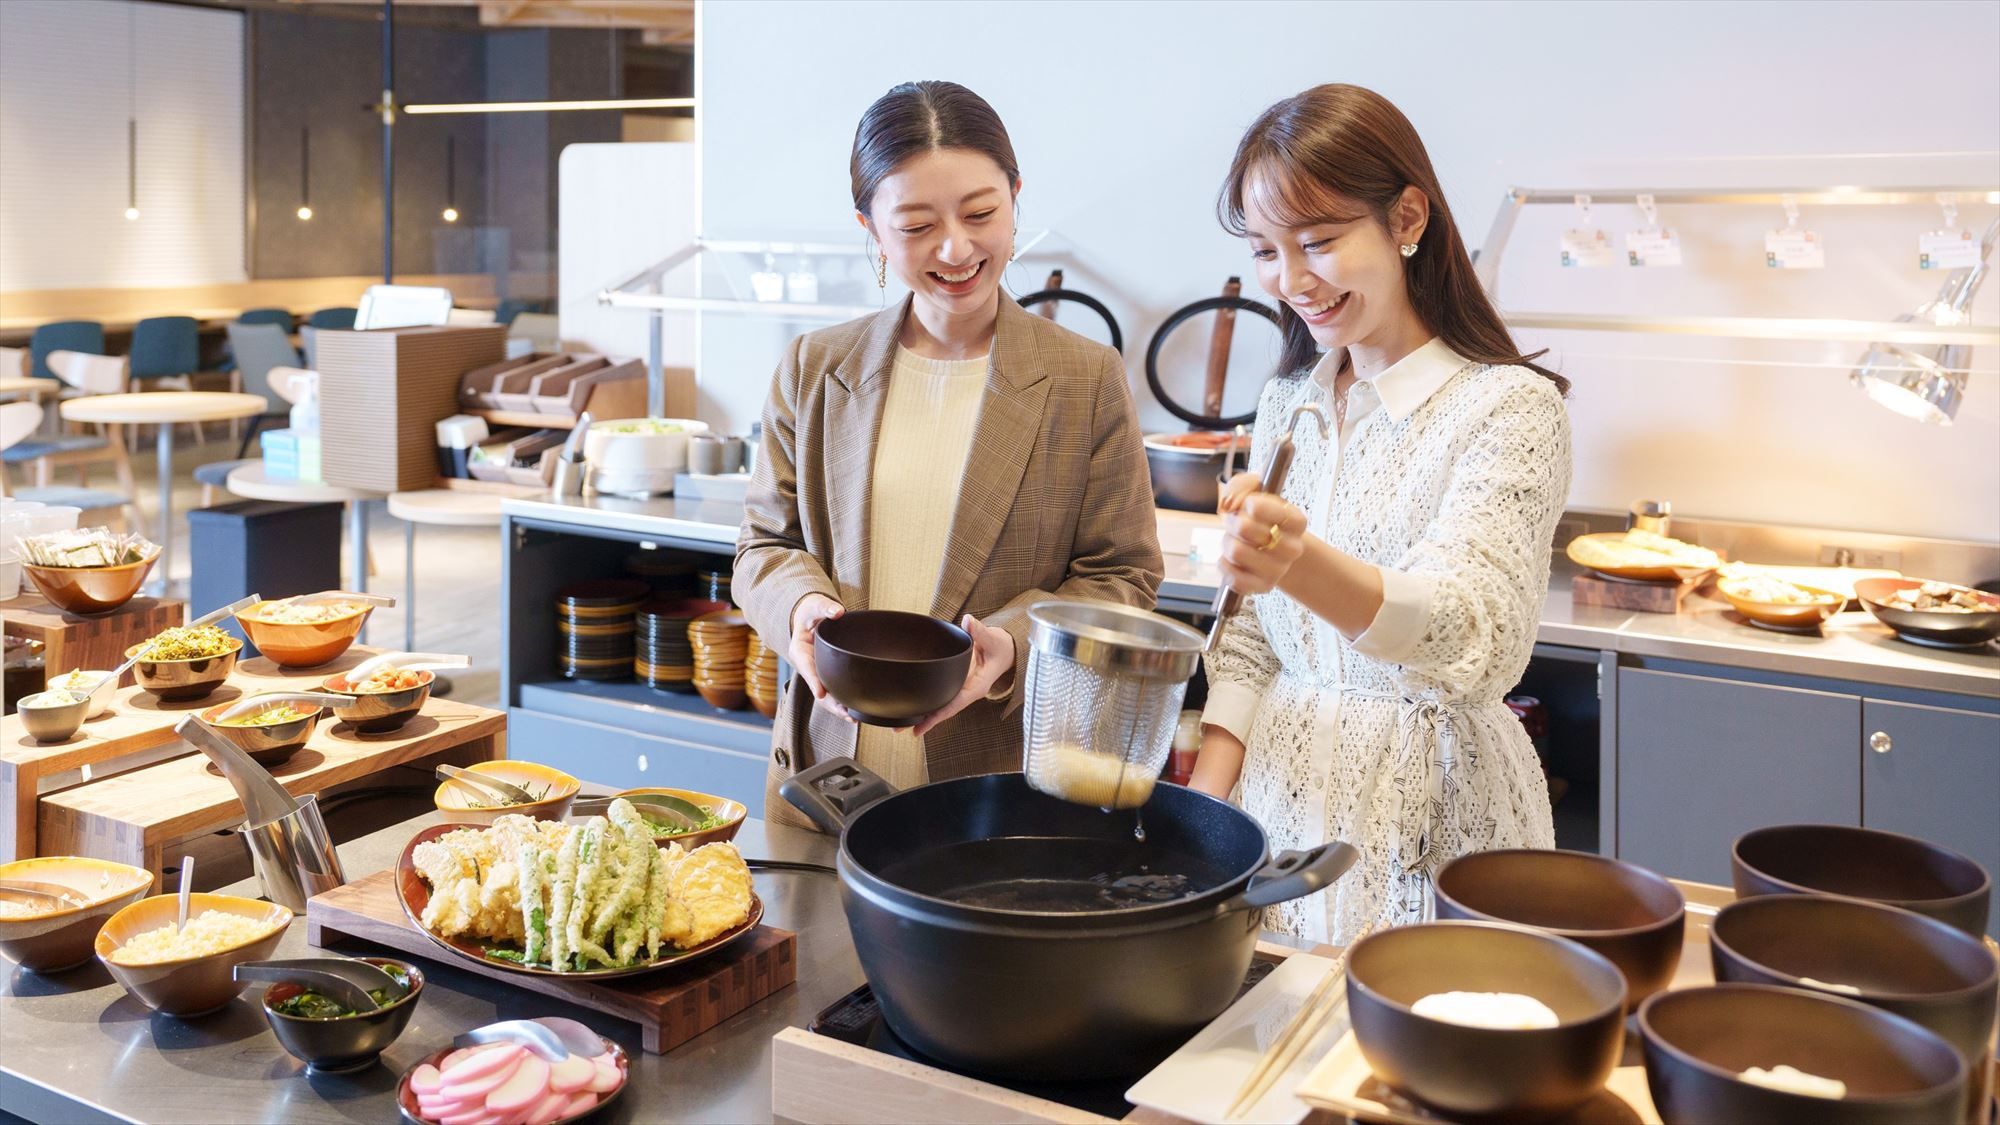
{"points": [[1408, 249], [1011, 254], [882, 271]]}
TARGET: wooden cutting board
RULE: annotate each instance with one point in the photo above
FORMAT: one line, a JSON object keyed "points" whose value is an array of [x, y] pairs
{"points": [[670, 1007]]}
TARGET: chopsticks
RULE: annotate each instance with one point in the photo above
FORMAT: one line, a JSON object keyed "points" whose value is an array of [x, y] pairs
{"points": [[1311, 1018]]}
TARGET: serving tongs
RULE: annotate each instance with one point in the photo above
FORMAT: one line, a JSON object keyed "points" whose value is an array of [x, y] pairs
{"points": [[408, 662], [1228, 599], [674, 812], [358, 598], [43, 896], [491, 788], [553, 1037], [209, 618], [339, 978]]}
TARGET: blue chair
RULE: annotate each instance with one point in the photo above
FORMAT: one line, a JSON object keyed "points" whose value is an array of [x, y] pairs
{"points": [[259, 348], [63, 336], [340, 318], [164, 347], [280, 317], [513, 307]]}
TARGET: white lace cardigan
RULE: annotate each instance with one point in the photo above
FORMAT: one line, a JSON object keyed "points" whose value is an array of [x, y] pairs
{"points": [[1399, 742]]}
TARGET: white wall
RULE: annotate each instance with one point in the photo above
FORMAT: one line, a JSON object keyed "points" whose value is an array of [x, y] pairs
{"points": [[70, 75], [1124, 116], [623, 208]]}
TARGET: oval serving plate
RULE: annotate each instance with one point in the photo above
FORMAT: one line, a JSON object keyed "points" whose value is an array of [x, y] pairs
{"points": [[415, 894], [1633, 573], [406, 1098]]}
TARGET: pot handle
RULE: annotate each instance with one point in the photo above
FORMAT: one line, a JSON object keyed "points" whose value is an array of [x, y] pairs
{"points": [[834, 792], [1295, 874]]}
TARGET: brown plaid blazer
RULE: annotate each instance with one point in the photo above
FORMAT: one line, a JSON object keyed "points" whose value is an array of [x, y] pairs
{"points": [[1056, 502]]}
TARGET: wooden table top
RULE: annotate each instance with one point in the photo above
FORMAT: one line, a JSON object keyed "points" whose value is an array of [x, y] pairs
{"points": [[164, 406], [252, 481], [36, 387], [449, 506]]}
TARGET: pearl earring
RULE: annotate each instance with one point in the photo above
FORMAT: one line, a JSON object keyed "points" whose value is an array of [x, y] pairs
{"points": [[1408, 249], [882, 272]]}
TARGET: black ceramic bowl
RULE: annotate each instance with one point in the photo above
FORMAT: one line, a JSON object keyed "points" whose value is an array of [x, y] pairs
{"points": [[1900, 962], [1935, 628], [1627, 913], [1477, 1071], [1698, 1040], [889, 668], [342, 1043], [1865, 863]]}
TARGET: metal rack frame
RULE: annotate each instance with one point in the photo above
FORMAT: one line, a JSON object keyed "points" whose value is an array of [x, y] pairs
{"points": [[1486, 265]]}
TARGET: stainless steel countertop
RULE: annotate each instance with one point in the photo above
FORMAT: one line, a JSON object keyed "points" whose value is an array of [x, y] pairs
{"points": [[79, 1049], [1854, 646]]}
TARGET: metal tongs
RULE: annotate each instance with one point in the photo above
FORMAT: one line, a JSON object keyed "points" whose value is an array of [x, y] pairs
{"points": [[491, 788], [1227, 599]]}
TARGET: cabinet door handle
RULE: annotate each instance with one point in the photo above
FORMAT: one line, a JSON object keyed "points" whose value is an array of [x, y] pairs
{"points": [[1879, 742]]}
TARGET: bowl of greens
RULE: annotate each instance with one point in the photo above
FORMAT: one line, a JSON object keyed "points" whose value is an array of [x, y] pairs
{"points": [[725, 817], [331, 1037]]}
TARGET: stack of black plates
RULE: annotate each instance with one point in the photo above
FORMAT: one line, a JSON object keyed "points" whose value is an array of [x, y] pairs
{"points": [[663, 656], [714, 585], [669, 573], [594, 620]]}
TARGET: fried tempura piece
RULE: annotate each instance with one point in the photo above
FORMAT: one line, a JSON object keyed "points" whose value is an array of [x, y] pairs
{"points": [[712, 883]]}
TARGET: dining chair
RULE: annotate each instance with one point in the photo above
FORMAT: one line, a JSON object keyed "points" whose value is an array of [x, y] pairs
{"points": [[259, 349], [336, 318], [62, 335], [18, 423]]}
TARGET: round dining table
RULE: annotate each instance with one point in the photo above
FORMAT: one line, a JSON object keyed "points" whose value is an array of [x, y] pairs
{"points": [[163, 409], [252, 482]]}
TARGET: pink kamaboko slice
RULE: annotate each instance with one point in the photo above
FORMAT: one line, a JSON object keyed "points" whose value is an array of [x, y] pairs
{"points": [[550, 1108], [580, 1102], [426, 1080], [523, 1089], [572, 1073], [479, 1076], [608, 1076]]}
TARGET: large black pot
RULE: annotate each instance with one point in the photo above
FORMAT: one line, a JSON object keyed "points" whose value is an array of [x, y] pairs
{"points": [[1022, 982]]}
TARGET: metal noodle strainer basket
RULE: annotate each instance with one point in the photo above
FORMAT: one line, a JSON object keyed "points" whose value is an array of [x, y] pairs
{"points": [[1104, 694]]}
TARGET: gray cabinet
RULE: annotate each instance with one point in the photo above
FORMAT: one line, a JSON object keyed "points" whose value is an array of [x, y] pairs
{"points": [[1703, 760], [1933, 772]]}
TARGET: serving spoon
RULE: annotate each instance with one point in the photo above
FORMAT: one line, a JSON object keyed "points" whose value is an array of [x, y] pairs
{"points": [[45, 896], [208, 618], [254, 703]]}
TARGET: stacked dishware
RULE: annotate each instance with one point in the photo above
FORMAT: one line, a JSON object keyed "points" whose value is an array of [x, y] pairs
{"points": [[663, 654], [760, 677], [669, 573], [721, 643], [713, 585], [596, 623]]}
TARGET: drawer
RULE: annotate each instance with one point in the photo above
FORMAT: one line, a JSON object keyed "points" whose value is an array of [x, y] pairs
{"points": [[613, 758]]}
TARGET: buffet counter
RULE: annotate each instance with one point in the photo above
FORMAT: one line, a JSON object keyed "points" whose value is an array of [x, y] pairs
{"points": [[1855, 646], [79, 1048]]}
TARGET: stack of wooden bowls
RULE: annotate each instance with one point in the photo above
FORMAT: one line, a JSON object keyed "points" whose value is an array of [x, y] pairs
{"points": [[713, 585], [721, 643], [760, 677], [596, 623], [663, 655]]}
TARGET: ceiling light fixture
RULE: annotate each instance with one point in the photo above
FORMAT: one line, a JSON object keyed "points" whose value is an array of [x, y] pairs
{"points": [[550, 107], [305, 210], [131, 113], [1928, 384], [450, 179]]}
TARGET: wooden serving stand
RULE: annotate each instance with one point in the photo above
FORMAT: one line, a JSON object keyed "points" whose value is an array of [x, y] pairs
{"points": [[136, 815], [1642, 597], [670, 1006], [71, 641]]}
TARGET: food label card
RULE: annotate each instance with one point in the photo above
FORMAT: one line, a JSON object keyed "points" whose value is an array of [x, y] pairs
{"points": [[1947, 250], [1588, 249], [1652, 246], [1794, 249]]}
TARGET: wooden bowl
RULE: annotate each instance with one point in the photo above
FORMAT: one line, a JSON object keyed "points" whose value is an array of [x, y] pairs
{"points": [[61, 939], [889, 668], [90, 589], [303, 645], [1788, 617], [267, 745], [734, 811], [1917, 967], [1479, 1071], [191, 986], [1698, 1040], [1629, 914], [178, 681], [455, 802], [1864, 863], [722, 698]]}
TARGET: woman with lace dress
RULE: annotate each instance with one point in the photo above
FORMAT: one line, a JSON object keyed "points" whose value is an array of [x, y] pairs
{"points": [[1396, 582]]}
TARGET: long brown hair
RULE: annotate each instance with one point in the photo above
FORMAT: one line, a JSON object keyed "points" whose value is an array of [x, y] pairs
{"points": [[1350, 142], [919, 117]]}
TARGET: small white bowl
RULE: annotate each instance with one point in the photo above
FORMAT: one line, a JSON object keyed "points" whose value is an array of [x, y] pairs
{"points": [[100, 699], [10, 577]]}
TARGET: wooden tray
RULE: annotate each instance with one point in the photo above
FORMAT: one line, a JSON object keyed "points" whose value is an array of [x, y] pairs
{"points": [[670, 1007], [1644, 597]]}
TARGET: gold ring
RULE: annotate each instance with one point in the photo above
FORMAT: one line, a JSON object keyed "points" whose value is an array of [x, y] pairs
{"points": [[1277, 533]]}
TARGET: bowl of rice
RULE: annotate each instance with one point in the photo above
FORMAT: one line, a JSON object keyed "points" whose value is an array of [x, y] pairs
{"points": [[303, 634], [186, 663], [188, 972]]}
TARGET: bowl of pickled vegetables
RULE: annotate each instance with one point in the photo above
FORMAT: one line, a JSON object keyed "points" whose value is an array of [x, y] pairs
{"points": [[299, 634], [383, 700], [186, 663], [269, 734], [331, 1037]]}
